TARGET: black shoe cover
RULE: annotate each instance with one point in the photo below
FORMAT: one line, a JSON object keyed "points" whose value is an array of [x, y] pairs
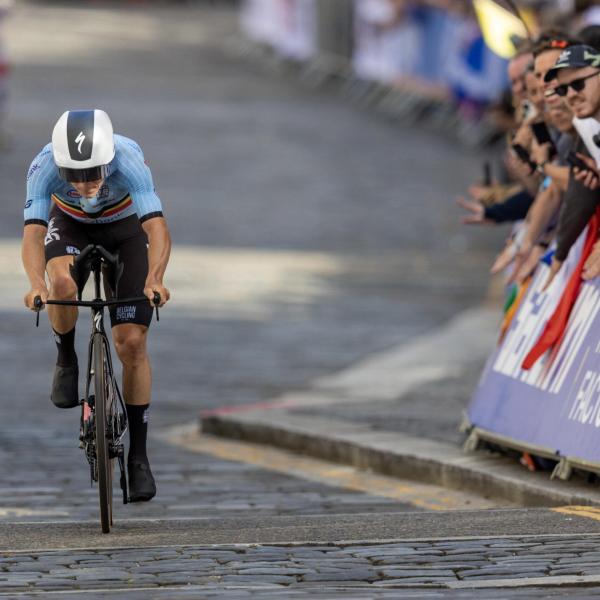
{"points": [[141, 481], [64, 387]]}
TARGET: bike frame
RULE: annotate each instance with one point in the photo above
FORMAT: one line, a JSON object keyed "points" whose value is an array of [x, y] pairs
{"points": [[97, 306]]}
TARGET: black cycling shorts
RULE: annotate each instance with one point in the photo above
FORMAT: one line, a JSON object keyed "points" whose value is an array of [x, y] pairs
{"points": [[66, 237]]}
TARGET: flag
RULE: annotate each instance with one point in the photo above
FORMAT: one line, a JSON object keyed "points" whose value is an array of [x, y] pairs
{"points": [[500, 27], [510, 309], [557, 323]]}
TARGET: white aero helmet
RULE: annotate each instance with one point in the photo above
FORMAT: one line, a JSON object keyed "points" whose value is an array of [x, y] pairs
{"points": [[83, 145]]}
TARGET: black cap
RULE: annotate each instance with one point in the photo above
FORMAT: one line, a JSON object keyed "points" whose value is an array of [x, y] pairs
{"points": [[574, 57]]}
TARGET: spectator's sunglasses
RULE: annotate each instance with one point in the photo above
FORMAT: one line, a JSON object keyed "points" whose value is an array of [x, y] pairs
{"points": [[577, 84]]}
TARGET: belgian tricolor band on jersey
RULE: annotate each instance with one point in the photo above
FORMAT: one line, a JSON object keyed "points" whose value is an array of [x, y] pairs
{"points": [[108, 211]]}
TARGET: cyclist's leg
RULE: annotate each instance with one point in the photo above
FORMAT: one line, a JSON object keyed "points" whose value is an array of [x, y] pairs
{"points": [[130, 331], [62, 287], [65, 239], [130, 344], [130, 322]]}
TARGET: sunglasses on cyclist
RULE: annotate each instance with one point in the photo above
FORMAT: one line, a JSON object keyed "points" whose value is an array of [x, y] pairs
{"points": [[577, 84]]}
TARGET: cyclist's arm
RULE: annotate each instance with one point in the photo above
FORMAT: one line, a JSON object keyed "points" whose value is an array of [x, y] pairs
{"points": [[137, 174], [34, 262], [159, 250], [36, 214]]}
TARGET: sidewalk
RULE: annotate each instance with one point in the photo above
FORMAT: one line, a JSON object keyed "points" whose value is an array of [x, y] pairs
{"points": [[399, 412]]}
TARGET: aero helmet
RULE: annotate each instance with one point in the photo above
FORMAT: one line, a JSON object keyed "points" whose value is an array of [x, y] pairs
{"points": [[83, 145]]}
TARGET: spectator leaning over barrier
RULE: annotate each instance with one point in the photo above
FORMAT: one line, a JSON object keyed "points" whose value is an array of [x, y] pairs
{"points": [[580, 202], [550, 158], [543, 215], [496, 203], [550, 178], [577, 75]]}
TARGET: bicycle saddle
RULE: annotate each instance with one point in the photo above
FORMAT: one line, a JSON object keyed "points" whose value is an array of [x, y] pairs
{"points": [[94, 258]]}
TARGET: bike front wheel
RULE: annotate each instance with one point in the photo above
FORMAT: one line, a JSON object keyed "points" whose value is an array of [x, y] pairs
{"points": [[104, 461]]}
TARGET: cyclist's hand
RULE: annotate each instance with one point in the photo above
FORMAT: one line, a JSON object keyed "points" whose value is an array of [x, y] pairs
{"points": [[152, 288], [30, 297]]}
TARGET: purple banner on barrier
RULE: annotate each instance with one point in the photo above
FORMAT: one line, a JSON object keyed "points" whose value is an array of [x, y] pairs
{"points": [[557, 403]]}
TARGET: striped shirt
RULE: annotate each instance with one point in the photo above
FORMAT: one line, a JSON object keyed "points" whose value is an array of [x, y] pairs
{"points": [[128, 190]]}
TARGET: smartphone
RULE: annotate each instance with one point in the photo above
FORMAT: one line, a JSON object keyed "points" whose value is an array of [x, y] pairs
{"points": [[487, 173], [542, 135], [574, 161], [524, 156]]}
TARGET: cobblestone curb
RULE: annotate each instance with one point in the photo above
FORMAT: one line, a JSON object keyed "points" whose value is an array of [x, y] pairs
{"points": [[398, 373], [401, 455]]}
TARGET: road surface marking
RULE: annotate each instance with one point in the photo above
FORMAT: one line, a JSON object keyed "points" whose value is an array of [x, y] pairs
{"points": [[13, 511], [426, 496], [588, 512]]}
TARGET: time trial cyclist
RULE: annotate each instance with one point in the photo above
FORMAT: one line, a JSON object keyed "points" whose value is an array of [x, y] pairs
{"points": [[91, 186]]}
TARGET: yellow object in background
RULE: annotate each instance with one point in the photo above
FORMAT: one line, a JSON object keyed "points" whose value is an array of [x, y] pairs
{"points": [[499, 27]]}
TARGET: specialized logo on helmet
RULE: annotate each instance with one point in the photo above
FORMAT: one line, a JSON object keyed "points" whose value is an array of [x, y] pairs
{"points": [[79, 140], [80, 136]]}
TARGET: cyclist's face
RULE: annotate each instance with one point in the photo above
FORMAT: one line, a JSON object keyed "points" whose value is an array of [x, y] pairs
{"points": [[88, 189]]}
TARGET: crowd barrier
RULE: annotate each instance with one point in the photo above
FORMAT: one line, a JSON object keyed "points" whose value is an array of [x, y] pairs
{"points": [[540, 390], [289, 26], [383, 43]]}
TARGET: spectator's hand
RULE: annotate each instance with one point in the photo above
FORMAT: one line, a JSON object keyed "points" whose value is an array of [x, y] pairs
{"points": [[505, 258], [517, 169], [591, 268], [475, 210], [524, 135], [555, 267], [526, 265], [540, 153], [589, 177], [521, 259], [480, 192]]}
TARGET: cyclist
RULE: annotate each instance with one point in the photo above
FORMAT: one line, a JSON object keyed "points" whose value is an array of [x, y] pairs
{"points": [[90, 185]]}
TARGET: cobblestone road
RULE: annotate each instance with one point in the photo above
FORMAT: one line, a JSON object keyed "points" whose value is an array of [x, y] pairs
{"points": [[361, 571]]}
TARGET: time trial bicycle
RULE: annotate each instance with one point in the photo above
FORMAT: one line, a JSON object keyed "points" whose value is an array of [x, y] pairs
{"points": [[103, 415]]}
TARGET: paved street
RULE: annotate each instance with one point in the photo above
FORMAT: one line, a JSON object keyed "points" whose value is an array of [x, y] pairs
{"points": [[309, 234], [470, 568]]}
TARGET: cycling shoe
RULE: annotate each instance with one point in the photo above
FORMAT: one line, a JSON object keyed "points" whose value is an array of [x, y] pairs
{"points": [[141, 482], [65, 387]]}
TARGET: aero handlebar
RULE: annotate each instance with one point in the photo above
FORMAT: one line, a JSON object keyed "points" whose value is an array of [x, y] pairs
{"points": [[97, 304]]}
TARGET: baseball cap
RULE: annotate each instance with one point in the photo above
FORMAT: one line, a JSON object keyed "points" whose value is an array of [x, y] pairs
{"points": [[575, 57]]}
